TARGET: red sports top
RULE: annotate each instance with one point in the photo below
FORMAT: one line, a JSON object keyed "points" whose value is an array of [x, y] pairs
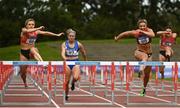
{"points": [[29, 38], [167, 41]]}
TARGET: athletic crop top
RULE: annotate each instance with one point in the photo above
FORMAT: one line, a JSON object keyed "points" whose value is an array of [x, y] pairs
{"points": [[167, 41], [29, 38], [71, 52], [143, 39]]}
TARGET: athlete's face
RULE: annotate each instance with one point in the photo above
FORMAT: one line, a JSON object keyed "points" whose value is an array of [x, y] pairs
{"points": [[142, 26], [30, 25], [169, 32], [71, 36]]}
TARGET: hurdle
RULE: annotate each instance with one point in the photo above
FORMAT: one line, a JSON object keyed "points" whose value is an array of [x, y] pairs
{"points": [[27, 63], [167, 89], [170, 103], [5, 73], [56, 77], [94, 64]]}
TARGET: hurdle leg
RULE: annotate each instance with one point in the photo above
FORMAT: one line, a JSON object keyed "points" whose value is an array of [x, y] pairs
{"points": [[163, 88], [156, 80], [50, 97], [112, 81], [1, 98]]}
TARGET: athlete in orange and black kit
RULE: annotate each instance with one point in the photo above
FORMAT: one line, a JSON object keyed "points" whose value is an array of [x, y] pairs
{"points": [[167, 41], [27, 43], [143, 51]]}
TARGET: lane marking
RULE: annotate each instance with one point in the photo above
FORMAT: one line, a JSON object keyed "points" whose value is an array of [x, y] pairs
{"points": [[57, 106], [99, 97]]}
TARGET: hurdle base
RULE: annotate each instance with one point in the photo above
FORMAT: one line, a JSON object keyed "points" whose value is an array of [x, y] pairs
{"points": [[24, 104], [153, 104], [88, 104]]}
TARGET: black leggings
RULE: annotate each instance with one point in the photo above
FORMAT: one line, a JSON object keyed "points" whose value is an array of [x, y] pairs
{"points": [[163, 53]]}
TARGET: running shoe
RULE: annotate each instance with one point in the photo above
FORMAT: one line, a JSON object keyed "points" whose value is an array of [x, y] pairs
{"points": [[72, 86], [143, 92], [25, 85], [139, 74], [66, 98]]}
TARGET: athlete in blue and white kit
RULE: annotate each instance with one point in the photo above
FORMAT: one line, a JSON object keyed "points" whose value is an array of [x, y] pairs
{"points": [[70, 52]]}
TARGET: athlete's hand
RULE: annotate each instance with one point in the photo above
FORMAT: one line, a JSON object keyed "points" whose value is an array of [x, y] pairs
{"points": [[60, 34], [115, 38], [166, 32], [139, 31], [41, 28]]}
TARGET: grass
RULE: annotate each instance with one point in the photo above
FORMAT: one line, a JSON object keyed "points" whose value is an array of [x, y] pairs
{"points": [[96, 50]]}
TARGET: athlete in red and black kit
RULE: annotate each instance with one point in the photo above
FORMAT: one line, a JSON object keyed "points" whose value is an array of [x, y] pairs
{"points": [[143, 51], [27, 43], [167, 41]]}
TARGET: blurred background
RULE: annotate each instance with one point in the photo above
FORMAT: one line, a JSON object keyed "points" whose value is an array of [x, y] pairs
{"points": [[93, 19]]}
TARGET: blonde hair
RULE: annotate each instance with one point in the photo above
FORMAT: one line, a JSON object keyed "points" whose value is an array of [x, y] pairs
{"points": [[29, 19], [142, 21], [70, 31]]}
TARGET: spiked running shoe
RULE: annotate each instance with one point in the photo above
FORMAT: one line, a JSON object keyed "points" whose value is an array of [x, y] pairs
{"points": [[66, 98], [143, 92], [72, 86]]}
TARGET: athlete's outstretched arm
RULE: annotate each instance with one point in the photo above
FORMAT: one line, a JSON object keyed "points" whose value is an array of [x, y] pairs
{"points": [[49, 33], [83, 51], [63, 51], [162, 32], [124, 34], [149, 32], [25, 30]]}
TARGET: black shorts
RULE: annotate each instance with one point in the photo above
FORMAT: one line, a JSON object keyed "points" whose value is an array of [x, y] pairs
{"points": [[163, 53], [148, 54], [26, 53]]}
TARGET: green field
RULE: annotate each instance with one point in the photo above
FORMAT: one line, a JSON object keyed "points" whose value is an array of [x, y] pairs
{"points": [[96, 50]]}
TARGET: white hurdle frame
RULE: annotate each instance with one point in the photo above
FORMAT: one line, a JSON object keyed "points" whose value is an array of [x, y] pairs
{"points": [[96, 63], [151, 63], [85, 63], [2, 103]]}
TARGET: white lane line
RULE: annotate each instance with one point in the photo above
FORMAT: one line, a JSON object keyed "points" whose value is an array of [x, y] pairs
{"points": [[146, 96], [57, 106], [103, 98], [99, 97]]}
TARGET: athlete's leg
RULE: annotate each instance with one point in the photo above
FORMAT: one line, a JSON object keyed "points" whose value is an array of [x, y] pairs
{"points": [[23, 69], [161, 68], [169, 53], [76, 72], [147, 72], [36, 54], [142, 57], [144, 69]]}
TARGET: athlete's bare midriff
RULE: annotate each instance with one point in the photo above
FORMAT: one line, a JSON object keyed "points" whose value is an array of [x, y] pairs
{"points": [[145, 48], [26, 46], [71, 58]]}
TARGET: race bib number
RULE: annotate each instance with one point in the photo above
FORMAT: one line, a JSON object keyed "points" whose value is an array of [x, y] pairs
{"points": [[31, 40], [143, 40], [167, 43], [72, 53]]}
